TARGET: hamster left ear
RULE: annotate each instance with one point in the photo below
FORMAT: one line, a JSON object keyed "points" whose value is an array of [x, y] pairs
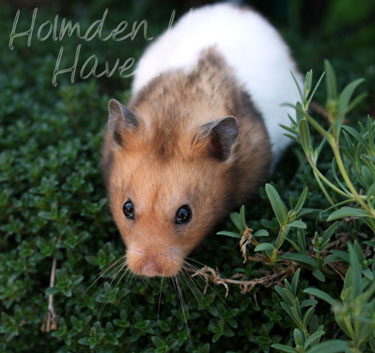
{"points": [[120, 120], [218, 137]]}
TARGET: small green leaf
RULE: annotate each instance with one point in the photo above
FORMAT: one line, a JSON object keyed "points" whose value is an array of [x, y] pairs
{"points": [[357, 248], [308, 316], [356, 101], [157, 341], [308, 302], [261, 233], [355, 273], [340, 254], [285, 295], [320, 294], [302, 96], [298, 337], [235, 218], [295, 281], [295, 246], [277, 205], [229, 234], [85, 341], [368, 274], [346, 95], [308, 82], [301, 240], [297, 224], [332, 346], [329, 232], [315, 88], [264, 246], [314, 337], [289, 310], [243, 217], [283, 348], [330, 81], [300, 258], [301, 200], [354, 133], [347, 212], [304, 134], [319, 275]]}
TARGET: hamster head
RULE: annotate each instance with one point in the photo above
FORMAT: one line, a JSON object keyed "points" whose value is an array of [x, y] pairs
{"points": [[167, 185]]}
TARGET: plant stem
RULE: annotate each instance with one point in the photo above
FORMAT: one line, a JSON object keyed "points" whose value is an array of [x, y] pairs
{"points": [[326, 181], [279, 242], [347, 180], [325, 192], [315, 124], [349, 326]]}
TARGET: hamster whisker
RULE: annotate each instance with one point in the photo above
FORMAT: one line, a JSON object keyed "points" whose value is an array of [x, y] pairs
{"points": [[122, 275], [81, 289], [120, 278], [174, 286], [161, 290], [104, 271], [103, 297], [190, 283], [130, 276], [191, 259], [193, 287], [182, 302], [192, 268]]}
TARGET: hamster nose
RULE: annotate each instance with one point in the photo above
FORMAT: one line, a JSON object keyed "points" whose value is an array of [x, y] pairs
{"points": [[151, 269]]}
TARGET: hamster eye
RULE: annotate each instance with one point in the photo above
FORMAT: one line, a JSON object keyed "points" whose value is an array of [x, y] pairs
{"points": [[183, 215], [128, 209]]}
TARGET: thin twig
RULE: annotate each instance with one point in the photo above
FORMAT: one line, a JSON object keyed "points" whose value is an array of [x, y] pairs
{"points": [[209, 274], [51, 319]]}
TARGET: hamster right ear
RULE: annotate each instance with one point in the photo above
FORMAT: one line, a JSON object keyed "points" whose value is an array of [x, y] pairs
{"points": [[218, 137], [120, 120]]}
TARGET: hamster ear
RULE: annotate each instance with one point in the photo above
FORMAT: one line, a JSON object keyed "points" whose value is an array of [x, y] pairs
{"points": [[218, 137], [120, 120]]}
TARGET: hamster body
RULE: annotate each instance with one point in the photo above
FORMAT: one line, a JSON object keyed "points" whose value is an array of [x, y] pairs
{"points": [[198, 135]]}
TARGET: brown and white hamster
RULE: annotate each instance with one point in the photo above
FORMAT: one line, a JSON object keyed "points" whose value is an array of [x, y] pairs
{"points": [[199, 134]]}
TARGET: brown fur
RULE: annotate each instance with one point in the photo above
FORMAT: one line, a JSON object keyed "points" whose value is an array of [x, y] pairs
{"points": [[164, 163]]}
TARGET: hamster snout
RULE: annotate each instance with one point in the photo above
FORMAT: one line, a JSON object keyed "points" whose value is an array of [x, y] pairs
{"points": [[152, 262]]}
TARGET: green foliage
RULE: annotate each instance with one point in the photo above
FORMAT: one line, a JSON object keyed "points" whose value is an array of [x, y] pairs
{"points": [[53, 209], [354, 158], [355, 313], [307, 332]]}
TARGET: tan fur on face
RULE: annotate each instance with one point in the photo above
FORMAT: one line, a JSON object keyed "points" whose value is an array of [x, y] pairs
{"points": [[162, 165]]}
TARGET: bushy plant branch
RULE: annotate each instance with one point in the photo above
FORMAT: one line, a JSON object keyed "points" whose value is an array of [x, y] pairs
{"points": [[354, 314]]}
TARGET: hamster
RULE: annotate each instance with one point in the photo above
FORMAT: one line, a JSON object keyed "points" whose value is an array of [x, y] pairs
{"points": [[199, 134]]}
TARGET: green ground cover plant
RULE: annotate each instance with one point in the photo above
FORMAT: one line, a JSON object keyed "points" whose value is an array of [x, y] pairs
{"points": [[291, 271]]}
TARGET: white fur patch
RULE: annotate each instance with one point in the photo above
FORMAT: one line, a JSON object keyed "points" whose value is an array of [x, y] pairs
{"points": [[250, 45]]}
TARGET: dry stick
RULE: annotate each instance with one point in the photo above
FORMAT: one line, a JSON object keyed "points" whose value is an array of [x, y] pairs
{"points": [[51, 319], [209, 274], [269, 279]]}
